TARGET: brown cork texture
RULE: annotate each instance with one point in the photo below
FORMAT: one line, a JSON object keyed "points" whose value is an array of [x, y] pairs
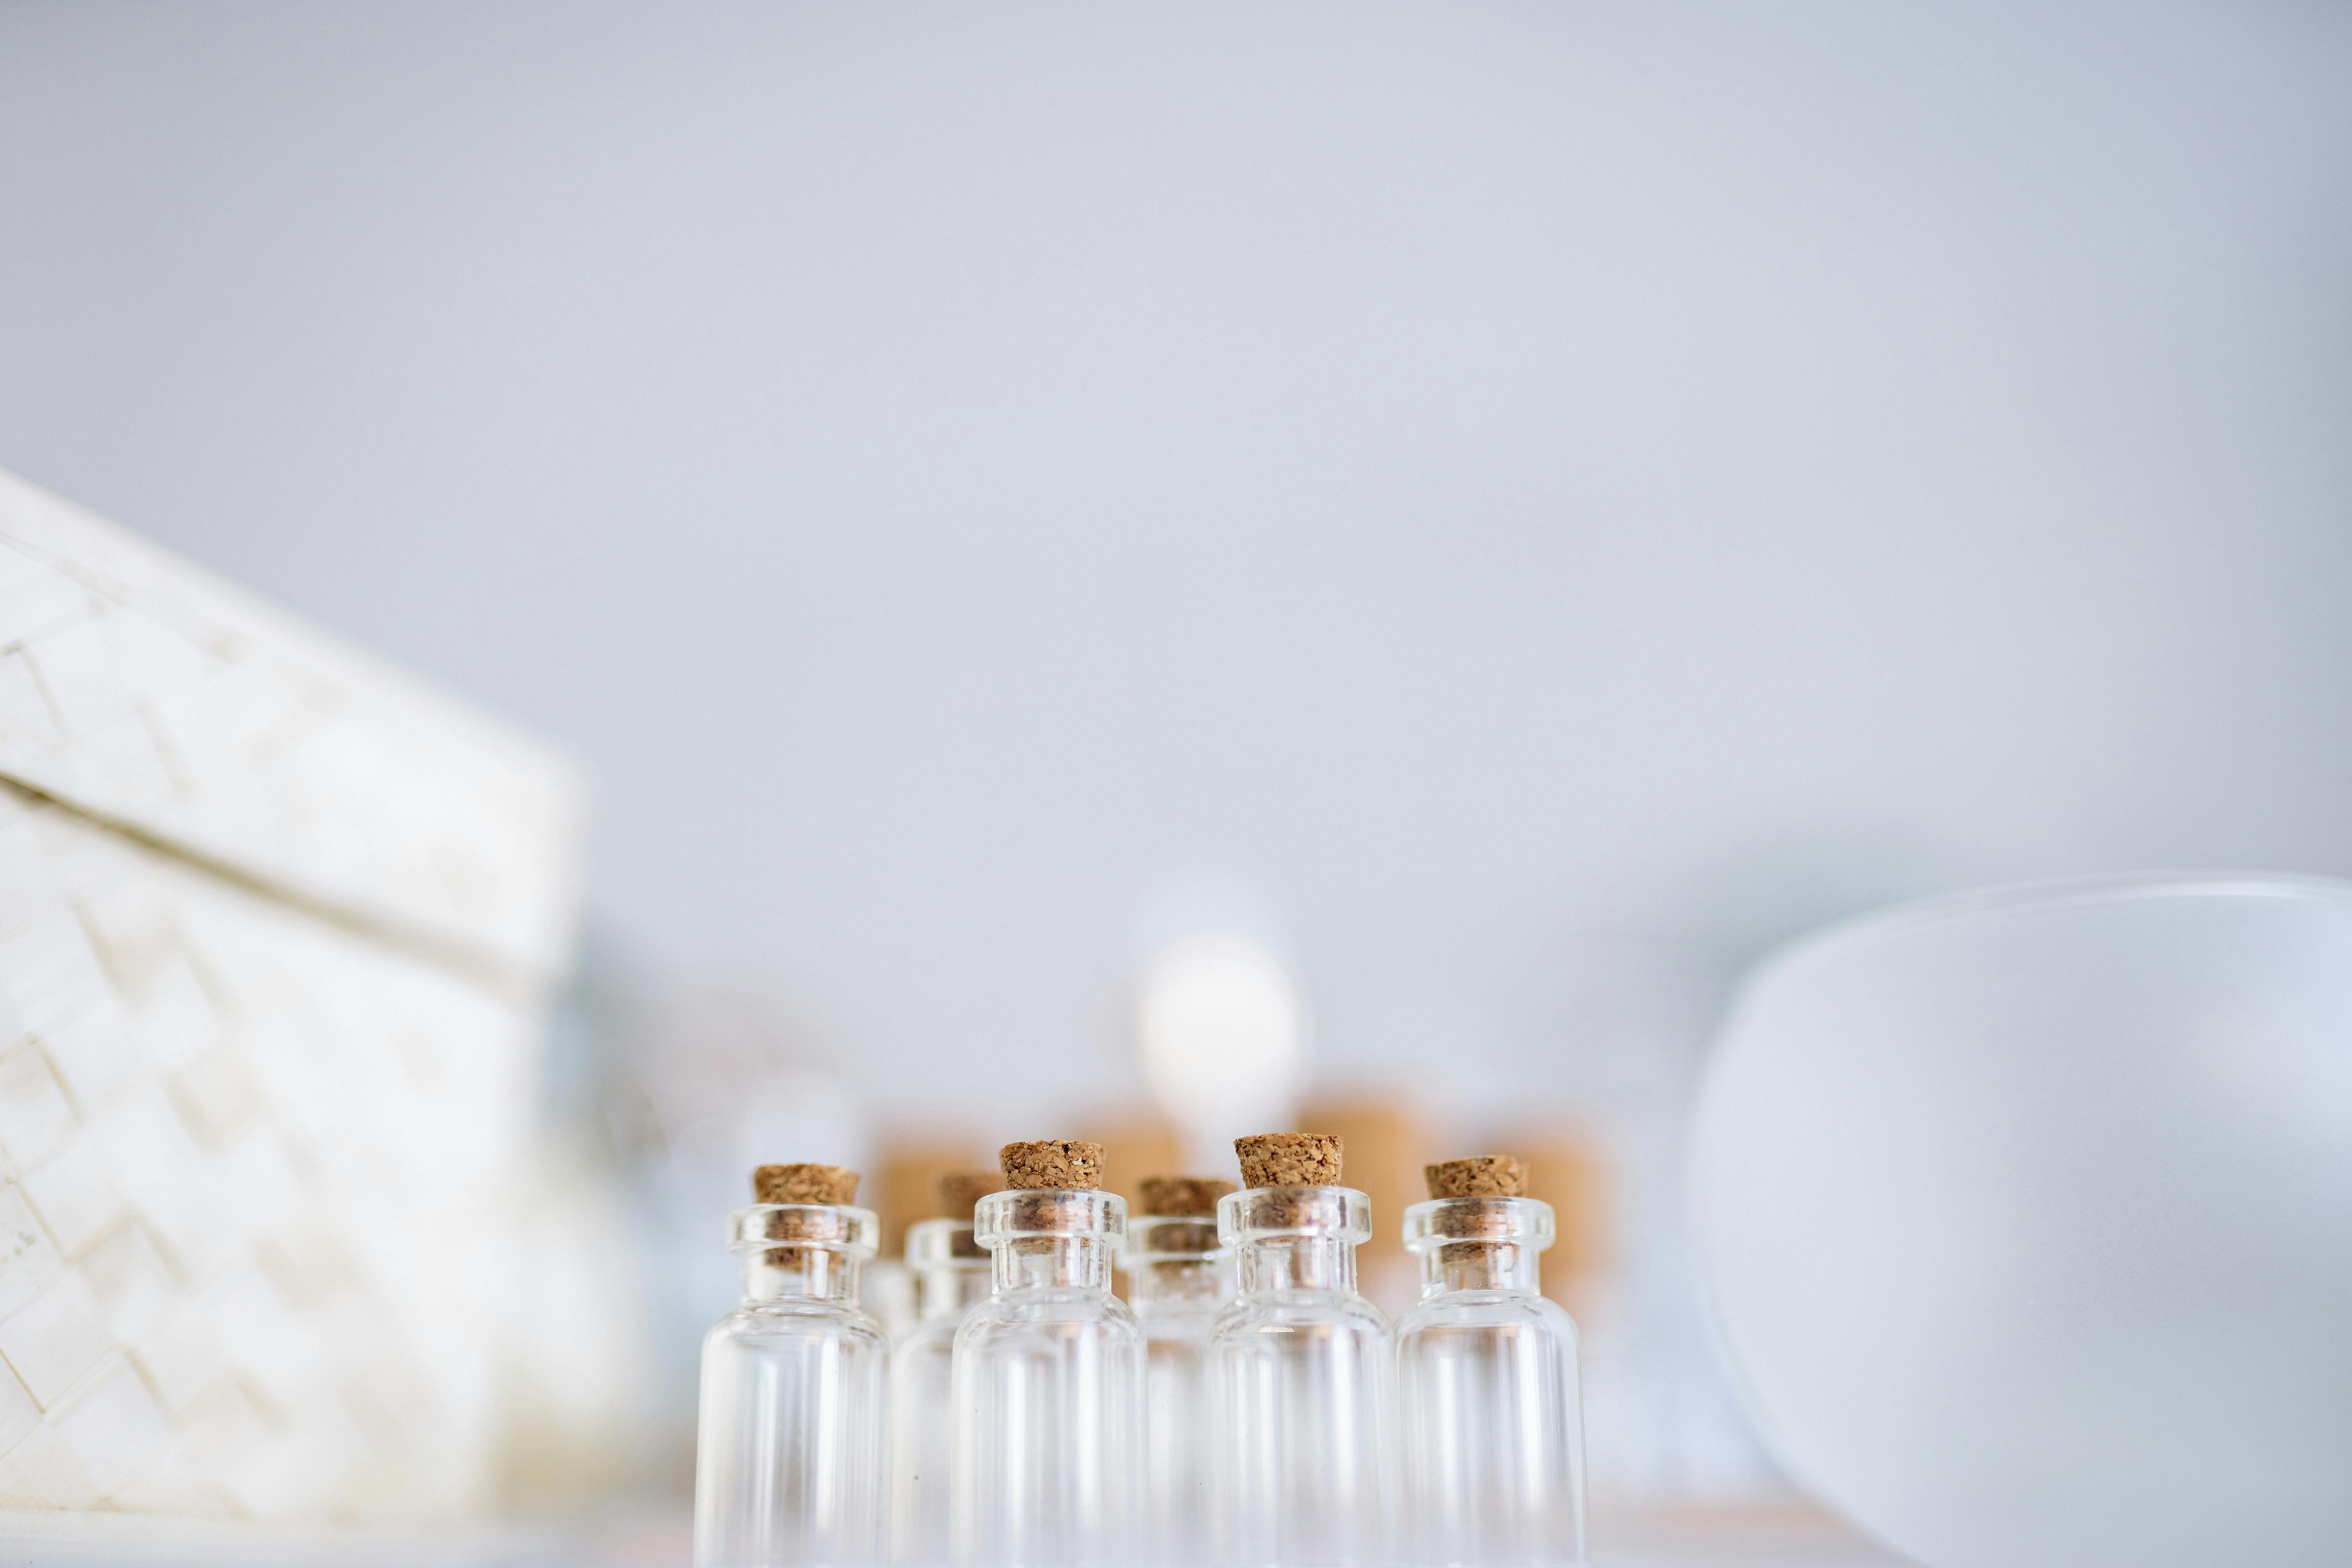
{"points": [[1182, 1196], [959, 1190], [1481, 1176], [1289, 1160], [1070, 1164], [803, 1184]]}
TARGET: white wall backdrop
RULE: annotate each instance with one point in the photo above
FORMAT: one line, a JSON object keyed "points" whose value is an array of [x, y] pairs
{"points": [[1494, 484]]}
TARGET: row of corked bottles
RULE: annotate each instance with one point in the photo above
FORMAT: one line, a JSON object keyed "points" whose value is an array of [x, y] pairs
{"points": [[1250, 1409]]}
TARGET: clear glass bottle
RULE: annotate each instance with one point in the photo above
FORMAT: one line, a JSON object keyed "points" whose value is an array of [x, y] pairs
{"points": [[1301, 1365], [952, 1277], [789, 1461], [1487, 1390], [1179, 1277], [1049, 1390]]}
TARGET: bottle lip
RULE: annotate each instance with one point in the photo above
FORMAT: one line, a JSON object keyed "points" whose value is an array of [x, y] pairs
{"points": [[943, 1244], [1184, 1238], [1066, 1213], [1442, 1222], [1275, 1214], [855, 1233]]}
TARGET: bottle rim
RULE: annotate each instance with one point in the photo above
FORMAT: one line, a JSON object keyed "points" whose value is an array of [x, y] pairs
{"points": [[852, 1232], [1278, 1214], [943, 1244], [1447, 1222], [1063, 1214], [1180, 1238]]}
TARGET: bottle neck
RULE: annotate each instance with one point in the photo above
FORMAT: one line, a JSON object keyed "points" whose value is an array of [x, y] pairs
{"points": [[1173, 1285], [945, 1288], [1297, 1263], [1042, 1262], [798, 1273], [1479, 1266]]}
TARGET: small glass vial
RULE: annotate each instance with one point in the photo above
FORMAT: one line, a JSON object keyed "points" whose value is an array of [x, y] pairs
{"points": [[1487, 1386], [1049, 1375], [1302, 1368], [952, 1277], [1179, 1276], [789, 1462]]}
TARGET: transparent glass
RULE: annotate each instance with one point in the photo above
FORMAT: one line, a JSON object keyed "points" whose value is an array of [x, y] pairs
{"points": [[1048, 1391], [1178, 1278], [1487, 1392], [789, 1462], [952, 1277], [1301, 1365]]}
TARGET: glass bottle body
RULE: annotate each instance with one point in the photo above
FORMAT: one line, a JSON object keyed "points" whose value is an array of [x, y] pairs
{"points": [[789, 1461], [950, 1272], [1178, 1280], [1301, 1365], [1488, 1394], [1048, 1391]]}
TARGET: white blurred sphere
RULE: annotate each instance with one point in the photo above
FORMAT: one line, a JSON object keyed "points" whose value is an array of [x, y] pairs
{"points": [[1222, 1032], [2027, 1219]]}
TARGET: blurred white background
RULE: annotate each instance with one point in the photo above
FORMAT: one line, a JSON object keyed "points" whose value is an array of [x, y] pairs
{"points": [[1489, 478], [1512, 507]]}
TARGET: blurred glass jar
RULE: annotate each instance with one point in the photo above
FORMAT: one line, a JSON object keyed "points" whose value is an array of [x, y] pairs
{"points": [[1048, 1390], [951, 1270], [1301, 1365], [1487, 1392], [789, 1460], [2121, 1343], [1178, 1278]]}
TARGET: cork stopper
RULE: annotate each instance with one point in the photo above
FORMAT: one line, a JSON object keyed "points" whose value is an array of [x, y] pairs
{"points": [[803, 1184], [1067, 1164], [958, 1191], [1289, 1160], [1481, 1176], [1174, 1197]]}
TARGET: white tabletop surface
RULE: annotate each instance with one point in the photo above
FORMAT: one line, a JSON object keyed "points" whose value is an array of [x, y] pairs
{"points": [[1778, 1535]]}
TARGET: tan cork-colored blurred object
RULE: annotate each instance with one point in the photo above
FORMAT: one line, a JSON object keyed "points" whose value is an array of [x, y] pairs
{"points": [[1135, 1141], [1481, 1176], [803, 1184], [1182, 1198], [1135, 1144], [1071, 1164], [1388, 1145], [1290, 1160], [961, 1190], [1569, 1168], [902, 1184]]}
